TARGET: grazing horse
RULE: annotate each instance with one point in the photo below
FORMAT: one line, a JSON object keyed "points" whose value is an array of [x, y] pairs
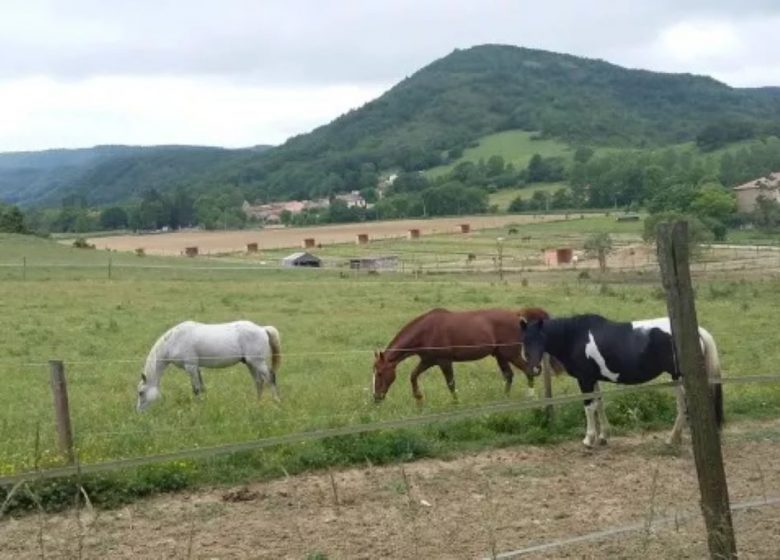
{"points": [[594, 349], [190, 346], [441, 337]]}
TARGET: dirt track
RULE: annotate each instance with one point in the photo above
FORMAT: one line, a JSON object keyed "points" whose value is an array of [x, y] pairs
{"points": [[501, 500], [279, 238]]}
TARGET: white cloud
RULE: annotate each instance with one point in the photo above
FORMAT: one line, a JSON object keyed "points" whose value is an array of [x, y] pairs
{"points": [[41, 112], [691, 42], [242, 72]]}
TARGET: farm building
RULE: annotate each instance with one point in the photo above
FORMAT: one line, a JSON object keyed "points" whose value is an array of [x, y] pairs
{"points": [[748, 193], [374, 263], [301, 259], [555, 257]]}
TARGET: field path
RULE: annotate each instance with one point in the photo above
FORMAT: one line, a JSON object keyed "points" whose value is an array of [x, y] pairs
{"points": [[502, 500]]}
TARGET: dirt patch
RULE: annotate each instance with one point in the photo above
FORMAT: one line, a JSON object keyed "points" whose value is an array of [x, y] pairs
{"points": [[279, 238], [465, 508]]}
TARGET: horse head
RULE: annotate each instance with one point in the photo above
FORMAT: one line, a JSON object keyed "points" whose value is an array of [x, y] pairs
{"points": [[147, 393], [533, 336], [384, 375]]}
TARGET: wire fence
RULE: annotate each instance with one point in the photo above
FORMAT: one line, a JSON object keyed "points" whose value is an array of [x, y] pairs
{"points": [[353, 429]]}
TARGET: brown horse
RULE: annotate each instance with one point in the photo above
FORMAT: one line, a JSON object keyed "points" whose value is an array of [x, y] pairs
{"points": [[441, 337]]}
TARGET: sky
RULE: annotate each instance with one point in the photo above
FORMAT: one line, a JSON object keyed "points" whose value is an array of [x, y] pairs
{"points": [[237, 73]]}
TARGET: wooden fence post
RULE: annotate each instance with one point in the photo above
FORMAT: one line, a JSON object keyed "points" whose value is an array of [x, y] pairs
{"points": [[676, 276], [59, 391]]}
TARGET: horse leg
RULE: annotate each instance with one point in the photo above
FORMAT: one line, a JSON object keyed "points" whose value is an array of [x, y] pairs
{"points": [[675, 438], [506, 371], [418, 369], [601, 415], [195, 378], [262, 373], [591, 407], [449, 377], [257, 378]]}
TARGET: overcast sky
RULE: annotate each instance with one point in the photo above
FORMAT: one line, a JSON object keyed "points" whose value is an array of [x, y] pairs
{"points": [[76, 73]]}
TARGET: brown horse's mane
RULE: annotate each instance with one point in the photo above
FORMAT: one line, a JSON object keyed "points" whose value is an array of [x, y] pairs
{"points": [[533, 313], [413, 322]]}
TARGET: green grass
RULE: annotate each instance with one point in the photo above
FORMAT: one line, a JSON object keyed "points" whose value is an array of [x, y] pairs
{"points": [[515, 146], [329, 324]]}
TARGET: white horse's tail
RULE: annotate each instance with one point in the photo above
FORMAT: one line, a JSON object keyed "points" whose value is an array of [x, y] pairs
{"points": [[712, 366], [276, 347]]}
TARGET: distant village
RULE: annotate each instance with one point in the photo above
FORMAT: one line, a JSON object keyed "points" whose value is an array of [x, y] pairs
{"points": [[271, 213]]}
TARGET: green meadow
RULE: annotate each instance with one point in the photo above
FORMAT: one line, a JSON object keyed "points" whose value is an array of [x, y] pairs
{"points": [[330, 322]]}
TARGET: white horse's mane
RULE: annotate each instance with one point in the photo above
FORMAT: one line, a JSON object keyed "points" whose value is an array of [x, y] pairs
{"points": [[151, 358]]}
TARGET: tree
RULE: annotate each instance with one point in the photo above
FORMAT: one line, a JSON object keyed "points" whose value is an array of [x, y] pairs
{"points": [[11, 220], [599, 245], [113, 218], [713, 201], [583, 154], [767, 213], [518, 204], [698, 232], [495, 166]]}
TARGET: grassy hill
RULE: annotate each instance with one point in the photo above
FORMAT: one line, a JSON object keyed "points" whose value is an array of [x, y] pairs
{"points": [[435, 117]]}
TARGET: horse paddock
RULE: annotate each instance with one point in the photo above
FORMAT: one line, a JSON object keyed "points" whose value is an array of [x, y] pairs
{"points": [[500, 501]]}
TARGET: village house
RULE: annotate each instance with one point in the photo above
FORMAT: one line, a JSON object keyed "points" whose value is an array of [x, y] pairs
{"points": [[748, 193], [271, 212]]}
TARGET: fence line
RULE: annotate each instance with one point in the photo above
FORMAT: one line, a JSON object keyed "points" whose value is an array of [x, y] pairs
{"points": [[630, 528], [316, 435]]}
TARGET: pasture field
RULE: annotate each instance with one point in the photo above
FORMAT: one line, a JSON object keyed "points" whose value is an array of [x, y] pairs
{"points": [[515, 146], [330, 323], [504, 197]]}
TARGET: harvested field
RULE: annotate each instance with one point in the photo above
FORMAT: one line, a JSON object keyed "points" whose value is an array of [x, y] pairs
{"points": [[279, 238]]}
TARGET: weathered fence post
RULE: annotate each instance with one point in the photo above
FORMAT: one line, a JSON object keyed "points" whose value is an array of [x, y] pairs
{"points": [[676, 276], [59, 391]]}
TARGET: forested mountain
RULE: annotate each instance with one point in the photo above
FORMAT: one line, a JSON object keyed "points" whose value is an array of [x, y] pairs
{"points": [[425, 120], [107, 174]]}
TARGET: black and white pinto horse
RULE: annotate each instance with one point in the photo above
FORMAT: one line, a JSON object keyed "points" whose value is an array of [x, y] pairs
{"points": [[593, 349]]}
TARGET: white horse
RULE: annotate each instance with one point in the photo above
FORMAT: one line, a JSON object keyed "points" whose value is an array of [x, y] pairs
{"points": [[190, 346]]}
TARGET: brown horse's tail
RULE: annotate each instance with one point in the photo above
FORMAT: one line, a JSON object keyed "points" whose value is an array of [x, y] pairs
{"points": [[276, 347]]}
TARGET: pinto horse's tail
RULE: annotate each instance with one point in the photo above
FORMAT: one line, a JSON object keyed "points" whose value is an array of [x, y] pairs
{"points": [[276, 347], [712, 365]]}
